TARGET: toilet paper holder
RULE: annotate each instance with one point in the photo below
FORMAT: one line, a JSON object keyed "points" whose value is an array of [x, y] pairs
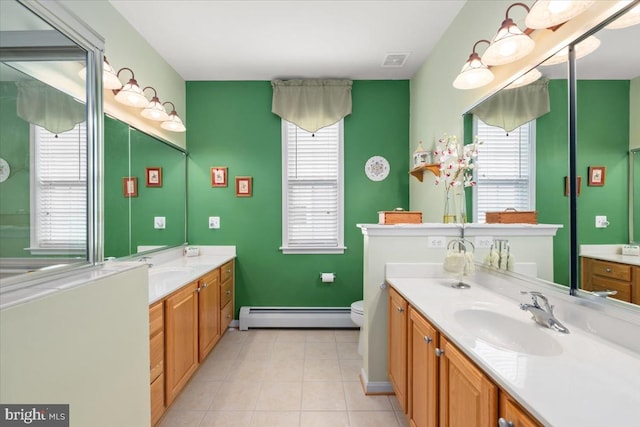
{"points": [[327, 277]]}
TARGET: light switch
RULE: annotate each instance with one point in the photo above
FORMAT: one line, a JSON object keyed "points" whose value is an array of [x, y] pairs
{"points": [[159, 222], [214, 222]]}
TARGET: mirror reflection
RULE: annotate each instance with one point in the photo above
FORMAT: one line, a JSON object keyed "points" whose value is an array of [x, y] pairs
{"points": [[131, 220], [634, 202], [43, 155]]}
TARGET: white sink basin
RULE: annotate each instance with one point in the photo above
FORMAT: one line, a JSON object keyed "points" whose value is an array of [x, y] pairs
{"points": [[168, 273], [508, 333]]}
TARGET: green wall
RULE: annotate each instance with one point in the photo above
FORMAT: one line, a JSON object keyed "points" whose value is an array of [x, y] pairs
{"points": [[231, 124], [14, 192], [603, 140]]}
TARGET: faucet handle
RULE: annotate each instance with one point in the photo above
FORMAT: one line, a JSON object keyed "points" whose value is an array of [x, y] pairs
{"points": [[534, 297]]}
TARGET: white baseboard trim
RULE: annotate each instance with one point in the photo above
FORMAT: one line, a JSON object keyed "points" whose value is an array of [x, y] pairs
{"points": [[374, 387]]}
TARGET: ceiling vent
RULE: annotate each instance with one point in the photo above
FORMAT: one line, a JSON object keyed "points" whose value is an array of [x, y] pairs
{"points": [[395, 60]]}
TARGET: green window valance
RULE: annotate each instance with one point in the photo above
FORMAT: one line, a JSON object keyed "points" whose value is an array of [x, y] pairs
{"points": [[311, 104], [511, 108]]}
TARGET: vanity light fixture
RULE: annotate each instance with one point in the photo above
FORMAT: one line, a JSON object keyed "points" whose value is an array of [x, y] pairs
{"points": [[131, 94], [173, 123], [584, 48], [549, 13], [474, 72], [109, 78], [154, 109], [525, 79], [630, 18], [509, 43]]}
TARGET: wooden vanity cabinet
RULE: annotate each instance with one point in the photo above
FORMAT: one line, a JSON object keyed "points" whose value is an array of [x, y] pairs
{"points": [[512, 413], [181, 330], [468, 398], [397, 357], [422, 375], [600, 275], [208, 313], [156, 358], [227, 278]]}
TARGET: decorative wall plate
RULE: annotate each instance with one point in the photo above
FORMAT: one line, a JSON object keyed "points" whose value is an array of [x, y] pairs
{"points": [[5, 170], [377, 168]]}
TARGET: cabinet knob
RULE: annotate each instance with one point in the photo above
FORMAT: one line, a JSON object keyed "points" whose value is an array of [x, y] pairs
{"points": [[228, 292], [228, 270], [428, 340], [228, 316], [608, 270], [205, 285], [504, 423], [197, 289], [400, 309], [439, 352]]}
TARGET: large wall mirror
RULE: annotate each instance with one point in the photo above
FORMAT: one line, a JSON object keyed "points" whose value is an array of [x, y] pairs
{"points": [[607, 86]]}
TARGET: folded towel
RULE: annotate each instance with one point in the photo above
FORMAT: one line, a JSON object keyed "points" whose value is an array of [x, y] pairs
{"points": [[469, 266], [454, 262]]}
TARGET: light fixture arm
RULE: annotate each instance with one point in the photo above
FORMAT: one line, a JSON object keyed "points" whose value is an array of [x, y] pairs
{"points": [[506, 15], [476, 44], [173, 107], [155, 93]]}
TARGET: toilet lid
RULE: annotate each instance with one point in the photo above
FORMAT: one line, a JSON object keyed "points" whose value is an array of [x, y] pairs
{"points": [[358, 307]]}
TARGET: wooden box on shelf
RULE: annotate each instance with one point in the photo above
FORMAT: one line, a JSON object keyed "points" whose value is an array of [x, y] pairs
{"points": [[399, 217], [512, 216]]}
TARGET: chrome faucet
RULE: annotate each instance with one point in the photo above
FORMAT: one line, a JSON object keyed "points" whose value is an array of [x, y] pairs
{"points": [[542, 315]]}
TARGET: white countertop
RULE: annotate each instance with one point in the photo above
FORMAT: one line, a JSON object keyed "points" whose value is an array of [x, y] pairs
{"points": [[175, 271], [584, 380], [608, 253]]}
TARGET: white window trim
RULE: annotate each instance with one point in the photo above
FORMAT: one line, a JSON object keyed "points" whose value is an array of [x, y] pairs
{"points": [[532, 167], [340, 248], [34, 198]]}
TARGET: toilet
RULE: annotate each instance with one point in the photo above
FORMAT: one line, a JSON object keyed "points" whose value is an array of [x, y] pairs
{"points": [[357, 316]]}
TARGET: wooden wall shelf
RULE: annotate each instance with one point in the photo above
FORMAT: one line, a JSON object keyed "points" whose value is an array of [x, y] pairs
{"points": [[418, 171]]}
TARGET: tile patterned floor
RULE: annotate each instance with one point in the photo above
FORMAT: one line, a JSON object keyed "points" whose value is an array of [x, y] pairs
{"points": [[282, 378]]}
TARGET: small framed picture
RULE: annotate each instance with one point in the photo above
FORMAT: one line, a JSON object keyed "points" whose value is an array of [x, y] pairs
{"points": [[243, 186], [218, 176], [578, 185], [154, 177], [596, 176], [130, 186]]}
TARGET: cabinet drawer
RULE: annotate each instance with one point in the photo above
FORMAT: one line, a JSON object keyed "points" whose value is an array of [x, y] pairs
{"points": [[604, 284], [226, 316], [226, 292], [157, 399], [156, 355], [156, 318], [226, 271], [612, 270]]}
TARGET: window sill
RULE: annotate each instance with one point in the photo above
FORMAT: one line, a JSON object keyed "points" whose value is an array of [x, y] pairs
{"points": [[57, 251], [313, 250]]}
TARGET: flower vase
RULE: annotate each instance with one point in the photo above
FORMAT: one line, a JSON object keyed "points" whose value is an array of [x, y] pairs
{"points": [[455, 204]]}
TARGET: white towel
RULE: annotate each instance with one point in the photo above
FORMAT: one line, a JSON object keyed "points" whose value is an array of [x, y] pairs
{"points": [[454, 262]]}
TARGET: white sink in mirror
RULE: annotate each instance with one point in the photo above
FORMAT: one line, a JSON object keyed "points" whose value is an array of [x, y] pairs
{"points": [[508, 333], [168, 273]]}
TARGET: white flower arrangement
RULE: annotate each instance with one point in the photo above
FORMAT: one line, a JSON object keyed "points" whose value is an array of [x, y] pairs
{"points": [[456, 166]]}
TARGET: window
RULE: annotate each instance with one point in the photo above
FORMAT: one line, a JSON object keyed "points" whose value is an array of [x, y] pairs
{"points": [[59, 196], [312, 190], [505, 169]]}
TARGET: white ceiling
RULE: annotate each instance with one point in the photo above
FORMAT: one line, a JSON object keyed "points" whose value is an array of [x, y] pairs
{"points": [[265, 40]]}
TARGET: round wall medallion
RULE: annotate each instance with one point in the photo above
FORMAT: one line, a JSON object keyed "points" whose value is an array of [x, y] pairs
{"points": [[5, 170], [377, 168]]}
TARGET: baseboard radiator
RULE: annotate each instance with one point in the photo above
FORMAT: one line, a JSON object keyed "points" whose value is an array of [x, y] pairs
{"points": [[295, 317]]}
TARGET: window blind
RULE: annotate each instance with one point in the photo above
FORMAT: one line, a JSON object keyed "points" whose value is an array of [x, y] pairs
{"points": [[504, 169], [59, 211], [312, 216]]}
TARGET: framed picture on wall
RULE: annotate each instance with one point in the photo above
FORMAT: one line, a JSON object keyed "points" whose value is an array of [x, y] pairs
{"points": [[596, 176], [154, 177], [130, 186], [218, 176], [578, 185], [243, 186]]}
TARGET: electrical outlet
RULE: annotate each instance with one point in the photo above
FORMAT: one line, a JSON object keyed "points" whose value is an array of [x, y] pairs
{"points": [[436, 242], [601, 221], [214, 222], [483, 242], [159, 222]]}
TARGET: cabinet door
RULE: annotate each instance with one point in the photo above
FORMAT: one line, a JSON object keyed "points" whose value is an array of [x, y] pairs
{"points": [[398, 347], [423, 372], [208, 309], [635, 286], [181, 332], [512, 413], [467, 397], [157, 399]]}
